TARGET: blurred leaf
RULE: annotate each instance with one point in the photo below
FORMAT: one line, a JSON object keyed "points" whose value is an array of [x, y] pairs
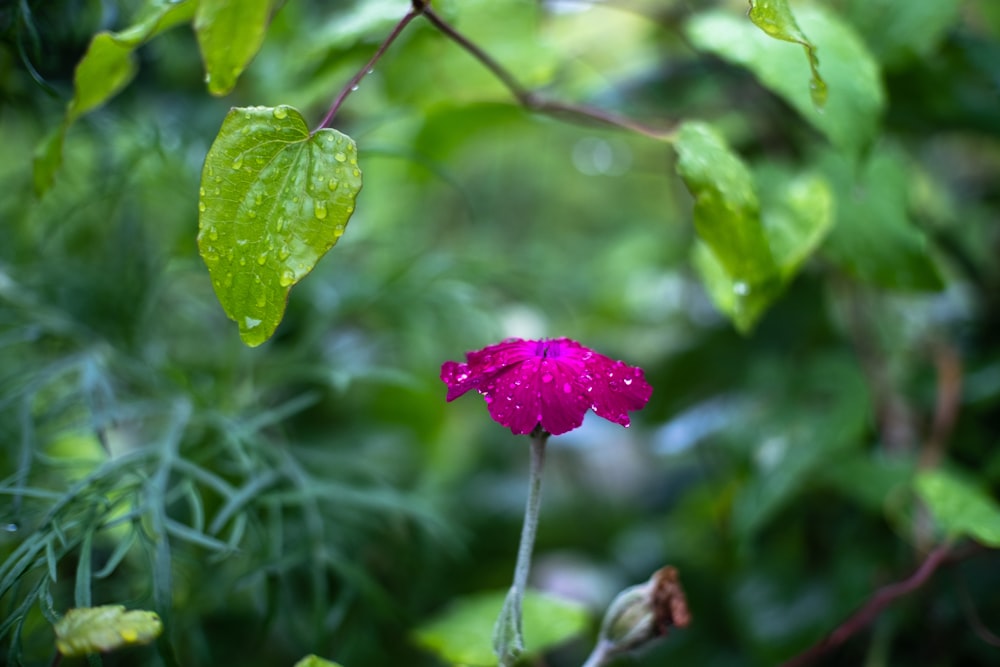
{"points": [[855, 98], [102, 629], [274, 200], [462, 633], [315, 661], [726, 210], [960, 507], [108, 65], [230, 32], [867, 479], [797, 213], [874, 238], [899, 31], [106, 68], [775, 18]]}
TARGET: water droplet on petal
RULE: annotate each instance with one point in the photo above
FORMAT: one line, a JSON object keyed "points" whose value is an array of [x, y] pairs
{"points": [[567, 387], [628, 381], [489, 399], [547, 377]]}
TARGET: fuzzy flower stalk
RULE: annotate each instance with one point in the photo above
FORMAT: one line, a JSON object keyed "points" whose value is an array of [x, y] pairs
{"points": [[541, 388]]}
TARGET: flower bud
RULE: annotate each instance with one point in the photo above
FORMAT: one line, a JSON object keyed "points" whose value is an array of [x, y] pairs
{"points": [[644, 612]]}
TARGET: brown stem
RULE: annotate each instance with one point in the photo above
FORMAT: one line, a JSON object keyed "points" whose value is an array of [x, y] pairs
{"points": [[882, 598], [352, 85], [529, 99]]}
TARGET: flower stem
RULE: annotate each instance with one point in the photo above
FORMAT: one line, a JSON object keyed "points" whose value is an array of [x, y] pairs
{"points": [[600, 655], [508, 638]]}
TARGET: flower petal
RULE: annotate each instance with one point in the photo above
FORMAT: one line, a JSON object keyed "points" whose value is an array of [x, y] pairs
{"points": [[564, 398], [483, 365], [513, 397], [617, 389]]}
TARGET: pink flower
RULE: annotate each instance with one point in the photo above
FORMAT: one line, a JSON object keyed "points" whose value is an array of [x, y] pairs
{"points": [[551, 383]]}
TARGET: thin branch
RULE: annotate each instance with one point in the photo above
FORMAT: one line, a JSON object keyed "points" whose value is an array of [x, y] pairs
{"points": [[882, 598], [530, 100], [352, 85]]}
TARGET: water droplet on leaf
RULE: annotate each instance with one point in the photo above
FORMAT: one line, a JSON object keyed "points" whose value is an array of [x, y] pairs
{"points": [[320, 210], [339, 157], [280, 112], [251, 322]]}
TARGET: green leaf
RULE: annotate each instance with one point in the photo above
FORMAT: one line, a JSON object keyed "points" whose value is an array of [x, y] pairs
{"points": [[315, 661], [274, 199], [797, 213], [775, 18], [897, 32], [726, 210], [462, 633], [108, 65], [874, 238], [101, 629], [855, 98], [230, 32], [960, 507]]}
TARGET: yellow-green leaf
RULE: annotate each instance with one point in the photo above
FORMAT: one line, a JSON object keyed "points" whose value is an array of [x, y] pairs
{"points": [[230, 32], [960, 507], [274, 199], [775, 18], [315, 661], [102, 629], [855, 97]]}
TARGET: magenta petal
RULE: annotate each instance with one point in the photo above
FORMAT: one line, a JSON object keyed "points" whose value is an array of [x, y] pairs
{"points": [[549, 382], [513, 397], [618, 389], [564, 401]]}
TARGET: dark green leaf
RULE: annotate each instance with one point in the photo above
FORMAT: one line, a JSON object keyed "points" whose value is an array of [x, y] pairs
{"points": [[960, 507], [274, 200], [230, 32], [100, 629], [899, 31], [462, 633], [874, 238], [855, 98], [775, 18]]}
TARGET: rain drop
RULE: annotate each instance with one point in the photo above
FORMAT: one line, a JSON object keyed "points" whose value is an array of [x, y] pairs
{"points": [[238, 162], [213, 233], [338, 231], [229, 280], [740, 288], [284, 253], [10, 528], [547, 377], [320, 210], [261, 301], [202, 206], [262, 258], [354, 87], [333, 184], [252, 213], [339, 157], [251, 322], [201, 192], [628, 381], [286, 278], [280, 112], [567, 387]]}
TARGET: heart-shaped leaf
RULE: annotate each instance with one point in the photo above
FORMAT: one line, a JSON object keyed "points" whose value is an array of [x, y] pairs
{"points": [[229, 35], [274, 199]]}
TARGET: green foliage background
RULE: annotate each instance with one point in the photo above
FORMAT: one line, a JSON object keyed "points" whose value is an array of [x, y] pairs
{"points": [[317, 495]]}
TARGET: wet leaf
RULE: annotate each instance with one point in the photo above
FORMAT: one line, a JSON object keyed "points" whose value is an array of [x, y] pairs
{"points": [[101, 629], [274, 199], [775, 18], [855, 98], [874, 238], [462, 633], [230, 32], [797, 213], [960, 507]]}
